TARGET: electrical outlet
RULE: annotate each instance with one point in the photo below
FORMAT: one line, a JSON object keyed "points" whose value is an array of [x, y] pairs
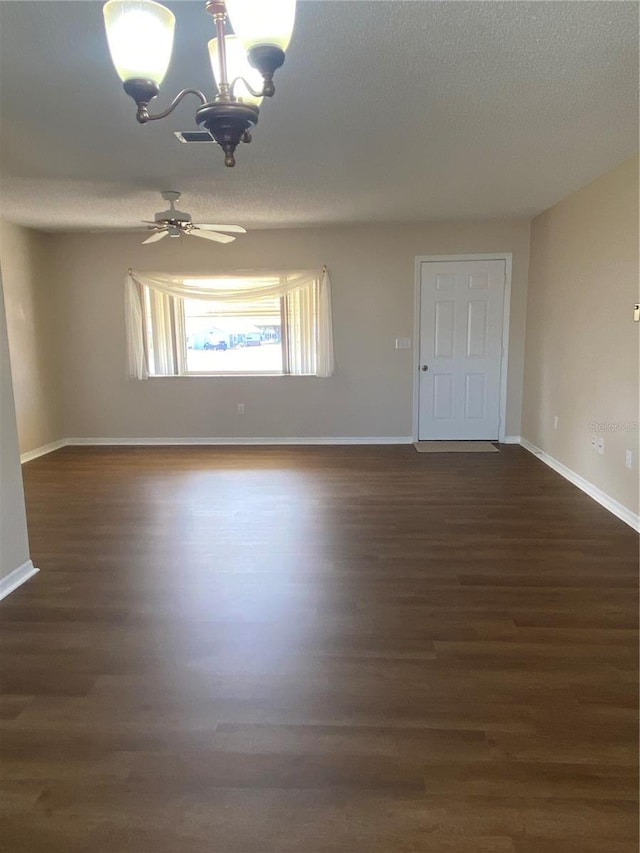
{"points": [[600, 445], [628, 459], [241, 408], [555, 422]]}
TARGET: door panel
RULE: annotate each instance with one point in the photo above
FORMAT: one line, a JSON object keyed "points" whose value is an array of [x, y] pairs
{"points": [[443, 329], [477, 329], [461, 304], [475, 395], [443, 397]]}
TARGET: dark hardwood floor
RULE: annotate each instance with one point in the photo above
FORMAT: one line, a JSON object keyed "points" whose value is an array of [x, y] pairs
{"points": [[318, 650]]}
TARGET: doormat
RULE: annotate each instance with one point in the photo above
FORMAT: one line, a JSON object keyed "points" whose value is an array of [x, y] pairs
{"points": [[455, 447]]}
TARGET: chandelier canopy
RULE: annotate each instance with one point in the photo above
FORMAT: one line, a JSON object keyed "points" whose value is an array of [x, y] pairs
{"points": [[140, 37]]}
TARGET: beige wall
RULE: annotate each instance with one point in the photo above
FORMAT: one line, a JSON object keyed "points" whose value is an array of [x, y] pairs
{"points": [[35, 329], [582, 343], [373, 275], [14, 543]]}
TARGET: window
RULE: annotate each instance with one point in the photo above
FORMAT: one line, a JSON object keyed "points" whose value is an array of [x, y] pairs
{"points": [[278, 323]]}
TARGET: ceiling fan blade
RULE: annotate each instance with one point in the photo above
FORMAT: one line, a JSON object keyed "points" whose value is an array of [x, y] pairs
{"points": [[211, 235], [234, 229], [157, 236]]}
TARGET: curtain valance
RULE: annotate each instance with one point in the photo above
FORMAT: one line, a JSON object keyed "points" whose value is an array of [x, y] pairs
{"points": [[229, 287]]}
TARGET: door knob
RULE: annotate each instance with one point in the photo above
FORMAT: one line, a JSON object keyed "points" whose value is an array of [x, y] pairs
{"points": [[425, 367]]}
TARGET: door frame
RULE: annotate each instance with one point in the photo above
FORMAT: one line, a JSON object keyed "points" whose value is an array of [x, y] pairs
{"points": [[507, 257]]}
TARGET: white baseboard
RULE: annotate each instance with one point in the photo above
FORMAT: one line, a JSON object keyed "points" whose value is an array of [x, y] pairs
{"points": [[238, 441], [16, 578], [605, 500], [41, 451], [511, 439]]}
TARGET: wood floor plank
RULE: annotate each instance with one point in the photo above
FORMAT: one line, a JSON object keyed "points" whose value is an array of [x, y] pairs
{"points": [[318, 650]]}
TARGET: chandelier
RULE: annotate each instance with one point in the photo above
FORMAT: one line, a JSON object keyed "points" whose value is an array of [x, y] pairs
{"points": [[140, 37]]}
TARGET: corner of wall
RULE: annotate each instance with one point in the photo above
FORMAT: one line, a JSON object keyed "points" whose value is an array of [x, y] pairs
{"points": [[15, 564], [581, 345], [34, 334]]}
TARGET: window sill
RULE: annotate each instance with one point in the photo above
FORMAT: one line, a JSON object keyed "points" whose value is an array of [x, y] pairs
{"points": [[237, 376]]}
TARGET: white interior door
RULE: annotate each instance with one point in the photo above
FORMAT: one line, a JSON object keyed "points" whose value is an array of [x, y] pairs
{"points": [[461, 305]]}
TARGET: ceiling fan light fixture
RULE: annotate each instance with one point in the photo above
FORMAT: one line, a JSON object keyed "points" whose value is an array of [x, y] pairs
{"points": [[258, 23], [140, 38], [265, 31], [239, 71]]}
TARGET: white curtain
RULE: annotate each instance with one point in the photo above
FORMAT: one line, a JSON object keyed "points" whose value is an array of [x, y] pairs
{"points": [[137, 353], [325, 363], [163, 355], [308, 337], [300, 334]]}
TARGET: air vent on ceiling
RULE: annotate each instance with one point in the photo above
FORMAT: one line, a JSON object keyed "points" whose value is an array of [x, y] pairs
{"points": [[193, 135]]}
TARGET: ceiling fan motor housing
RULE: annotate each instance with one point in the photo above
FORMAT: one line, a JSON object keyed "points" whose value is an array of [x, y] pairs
{"points": [[172, 216], [168, 216]]}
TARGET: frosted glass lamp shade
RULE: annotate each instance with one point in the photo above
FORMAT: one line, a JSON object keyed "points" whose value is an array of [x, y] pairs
{"points": [[257, 22], [140, 37], [237, 66]]}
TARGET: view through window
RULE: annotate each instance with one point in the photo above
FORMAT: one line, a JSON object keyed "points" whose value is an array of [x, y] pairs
{"points": [[233, 338]]}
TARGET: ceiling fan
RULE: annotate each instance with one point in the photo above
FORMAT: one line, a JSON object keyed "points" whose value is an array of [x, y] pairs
{"points": [[174, 223]]}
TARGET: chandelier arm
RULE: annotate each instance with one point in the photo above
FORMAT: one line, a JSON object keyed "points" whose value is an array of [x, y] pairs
{"points": [[255, 94], [143, 115]]}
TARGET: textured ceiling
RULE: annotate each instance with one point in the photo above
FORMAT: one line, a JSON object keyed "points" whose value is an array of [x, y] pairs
{"points": [[385, 111]]}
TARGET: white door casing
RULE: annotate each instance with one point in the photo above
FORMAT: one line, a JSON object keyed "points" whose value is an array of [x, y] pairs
{"points": [[461, 314]]}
